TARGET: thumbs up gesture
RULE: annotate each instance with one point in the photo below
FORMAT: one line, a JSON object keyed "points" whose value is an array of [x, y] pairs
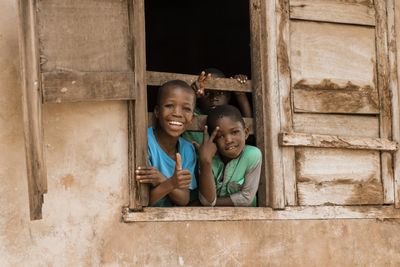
{"points": [[181, 178]]}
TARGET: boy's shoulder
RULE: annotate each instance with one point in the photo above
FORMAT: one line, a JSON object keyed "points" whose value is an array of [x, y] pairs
{"points": [[251, 154]]}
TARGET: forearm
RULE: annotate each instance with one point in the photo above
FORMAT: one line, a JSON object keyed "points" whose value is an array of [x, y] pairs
{"points": [[244, 104], [160, 191], [206, 182], [224, 201], [180, 196]]}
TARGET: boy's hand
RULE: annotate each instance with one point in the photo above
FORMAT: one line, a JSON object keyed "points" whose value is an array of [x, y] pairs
{"points": [[200, 85], [149, 175], [181, 178], [208, 149], [241, 78]]}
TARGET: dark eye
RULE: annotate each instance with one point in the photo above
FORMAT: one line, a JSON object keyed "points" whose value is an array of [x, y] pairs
{"points": [[187, 109], [235, 132], [169, 105]]}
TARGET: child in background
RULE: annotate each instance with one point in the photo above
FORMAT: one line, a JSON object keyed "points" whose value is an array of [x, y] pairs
{"points": [[209, 99], [172, 159], [229, 169]]}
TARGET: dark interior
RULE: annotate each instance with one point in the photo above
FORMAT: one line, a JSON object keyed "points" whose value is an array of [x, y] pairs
{"points": [[189, 36]]}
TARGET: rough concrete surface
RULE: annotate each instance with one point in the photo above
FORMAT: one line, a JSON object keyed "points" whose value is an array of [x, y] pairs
{"points": [[86, 149]]}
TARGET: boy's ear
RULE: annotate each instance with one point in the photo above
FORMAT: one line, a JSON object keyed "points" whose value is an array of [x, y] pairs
{"points": [[246, 132]]}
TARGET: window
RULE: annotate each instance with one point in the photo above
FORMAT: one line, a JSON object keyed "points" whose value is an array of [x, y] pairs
{"points": [[324, 90]]}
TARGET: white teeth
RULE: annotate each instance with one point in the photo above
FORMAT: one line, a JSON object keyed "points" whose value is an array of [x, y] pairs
{"points": [[230, 148], [176, 123]]}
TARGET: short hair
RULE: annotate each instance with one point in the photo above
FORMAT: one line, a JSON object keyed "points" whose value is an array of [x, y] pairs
{"points": [[215, 72], [172, 85], [220, 112]]}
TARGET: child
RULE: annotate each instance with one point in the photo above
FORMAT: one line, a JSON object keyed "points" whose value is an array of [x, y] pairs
{"points": [[170, 179], [229, 169], [208, 99]]}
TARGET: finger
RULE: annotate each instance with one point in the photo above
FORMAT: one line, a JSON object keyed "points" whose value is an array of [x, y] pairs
{"points": [[178, 165], [214, 134], [205, 134]]}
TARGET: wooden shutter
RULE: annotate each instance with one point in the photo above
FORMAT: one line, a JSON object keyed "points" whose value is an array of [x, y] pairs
{"points": [[335, 101], [82, 50]]}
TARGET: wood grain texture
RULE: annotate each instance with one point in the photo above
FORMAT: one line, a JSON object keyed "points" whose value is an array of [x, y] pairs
{"points": [[286, 111], [158, 78], [333, 68], [257, 47], [394, 55], [87, 86], [84, 35], [256, 214], [338, 177], [139, 193], [338, 11], [335, 124], [335, 141], [383, 70], [31, 107], [199, 122], [359, 101], [266, 100]]}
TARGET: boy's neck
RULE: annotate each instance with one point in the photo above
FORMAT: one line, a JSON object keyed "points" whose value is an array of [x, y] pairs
{"points": [[166, 142]]}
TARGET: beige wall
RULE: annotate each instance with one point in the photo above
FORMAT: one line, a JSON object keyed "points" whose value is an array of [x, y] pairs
{"points": [[86, 148]]}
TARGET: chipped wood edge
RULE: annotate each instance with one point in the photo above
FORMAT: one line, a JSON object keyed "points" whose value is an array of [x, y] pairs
{"points": [[158, 78], [137, 153], [31, 104], [335, 141], [383, 84], [394, 31], [260, 214], [286, 109]]}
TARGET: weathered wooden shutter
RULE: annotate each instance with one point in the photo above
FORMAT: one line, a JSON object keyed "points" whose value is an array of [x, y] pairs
{"points": [[82, 50], [333, 75]]}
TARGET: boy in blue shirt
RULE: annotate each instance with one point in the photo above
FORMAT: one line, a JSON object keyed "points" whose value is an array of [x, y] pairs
{"points": [[172, 159]]}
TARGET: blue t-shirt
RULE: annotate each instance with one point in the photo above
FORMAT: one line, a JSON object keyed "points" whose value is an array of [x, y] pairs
{"points": [[159, 159]]}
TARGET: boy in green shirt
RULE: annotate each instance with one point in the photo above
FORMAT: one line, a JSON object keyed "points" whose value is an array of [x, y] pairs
{"points": [[229, 169]]}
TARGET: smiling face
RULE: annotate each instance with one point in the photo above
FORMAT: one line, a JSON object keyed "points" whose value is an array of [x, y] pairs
{"points": [[175, 111], [231, 138]]}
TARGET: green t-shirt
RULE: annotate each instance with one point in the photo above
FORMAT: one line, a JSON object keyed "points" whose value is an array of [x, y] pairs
{"points": [[230, 180], [192, 135]]}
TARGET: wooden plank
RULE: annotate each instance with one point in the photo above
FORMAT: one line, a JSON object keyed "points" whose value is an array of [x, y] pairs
{"points": [[87, 86], [31, 107], [257, 19], [266, 100], [286, 110], [338, 11], [261, 214], [311, 194], [383, 70], [158, 78], [335, 124], [338, 177], [84, 35], [320, 165], [335, 141], [395, 90], [359, 101], [270, 100], [137, 132], [333, 56], [199, 122]]}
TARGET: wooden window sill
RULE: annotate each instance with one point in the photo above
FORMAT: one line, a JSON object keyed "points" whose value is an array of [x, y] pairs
{"points": [[252, 214]]}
